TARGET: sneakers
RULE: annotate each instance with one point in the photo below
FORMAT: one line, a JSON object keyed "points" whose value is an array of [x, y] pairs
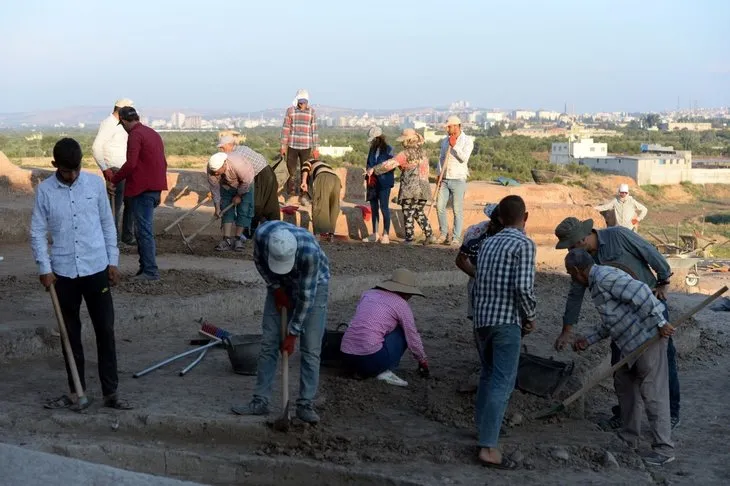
{"points": [[255, 407], [385, 240], [238, 245], [675, 422], [657, 459], [373, 238], [391, 378], [430, 240], [143, 277], [455, 242], [442, 239], [224, 245], [306, 413]]}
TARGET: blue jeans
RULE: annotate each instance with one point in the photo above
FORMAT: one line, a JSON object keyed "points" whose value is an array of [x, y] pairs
{"points": [[499, 351], [381, 203], [387, 358], [310, 347], [451, 188], [674, 394], [143, 207]]}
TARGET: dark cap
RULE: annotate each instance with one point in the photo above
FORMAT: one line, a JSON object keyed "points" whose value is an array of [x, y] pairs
{"points": [[128, 113]]}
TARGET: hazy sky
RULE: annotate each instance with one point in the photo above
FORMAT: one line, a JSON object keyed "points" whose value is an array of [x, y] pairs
{"points": [[250, 55]]}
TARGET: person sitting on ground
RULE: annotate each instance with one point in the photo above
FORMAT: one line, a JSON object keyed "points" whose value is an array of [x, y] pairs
{"points": [[72, 206], [415, 190], [379, 186], [231, 181], [631, 315], [323, 186], [383, 328], [628, 210], [266, 187]]}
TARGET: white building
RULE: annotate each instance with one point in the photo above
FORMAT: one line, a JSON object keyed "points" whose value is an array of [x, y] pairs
{"points": [[546, 115], [178, 120], [494, 117], [523, 115], [568, 152], [334, 152], [659, 169]]}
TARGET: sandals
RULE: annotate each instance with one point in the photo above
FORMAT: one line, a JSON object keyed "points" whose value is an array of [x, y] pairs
{"points": [[506, 464], [116, 403]]}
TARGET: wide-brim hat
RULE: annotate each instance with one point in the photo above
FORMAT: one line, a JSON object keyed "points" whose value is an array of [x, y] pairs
{"points": [[409, 134], [571, 230], [403, 281]]}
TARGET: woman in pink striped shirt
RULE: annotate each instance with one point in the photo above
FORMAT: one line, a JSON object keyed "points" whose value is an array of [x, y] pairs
{"points": [[383, 328]]}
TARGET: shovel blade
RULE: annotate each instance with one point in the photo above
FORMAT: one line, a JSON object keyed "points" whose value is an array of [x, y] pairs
{"points": [[549, 412], [282, 423]]}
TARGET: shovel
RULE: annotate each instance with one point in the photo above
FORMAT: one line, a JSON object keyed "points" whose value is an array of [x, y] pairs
{"points": [[630, 357], [282, 423]]}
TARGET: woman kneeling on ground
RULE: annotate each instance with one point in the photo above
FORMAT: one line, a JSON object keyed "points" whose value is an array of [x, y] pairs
{"points": [[382, 329]]}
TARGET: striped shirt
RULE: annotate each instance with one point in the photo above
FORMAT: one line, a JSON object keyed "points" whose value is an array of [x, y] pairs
{"points": [[239, 174], [630, 313], [79, 219], [300, 129], [311, 170], [379, 313], [311, 269], [258, 161], [504, 286]]}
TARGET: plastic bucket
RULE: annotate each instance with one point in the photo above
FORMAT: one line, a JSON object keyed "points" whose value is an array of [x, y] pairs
{"points": [[243, 352]]}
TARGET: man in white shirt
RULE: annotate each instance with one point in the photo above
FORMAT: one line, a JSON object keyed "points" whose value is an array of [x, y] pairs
{"points": [[628, 210], [457, 147], [110, 152]]}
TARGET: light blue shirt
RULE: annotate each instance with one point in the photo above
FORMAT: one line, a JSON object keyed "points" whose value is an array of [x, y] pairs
{"points": [[79, 220]]}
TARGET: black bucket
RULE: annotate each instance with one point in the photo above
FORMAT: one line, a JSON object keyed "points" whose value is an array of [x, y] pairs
{"points": [[331, 356], [541, 376], [243, 351]]}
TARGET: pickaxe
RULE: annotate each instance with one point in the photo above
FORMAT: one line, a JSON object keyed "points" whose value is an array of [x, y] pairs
{"points": [[203, 228]]}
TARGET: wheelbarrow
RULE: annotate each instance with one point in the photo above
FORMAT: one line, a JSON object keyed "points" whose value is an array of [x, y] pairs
{"points": [[688, 263]]}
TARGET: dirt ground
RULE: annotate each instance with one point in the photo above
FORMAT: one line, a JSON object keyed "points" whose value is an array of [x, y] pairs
{"points": [[424, 432]]}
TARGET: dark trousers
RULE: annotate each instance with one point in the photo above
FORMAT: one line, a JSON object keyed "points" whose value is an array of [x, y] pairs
{"points": [[294, 160], [126, 215], [143, 206], [674, 393], [381, 203], [387, 358], [94, 290], [265, 197]]}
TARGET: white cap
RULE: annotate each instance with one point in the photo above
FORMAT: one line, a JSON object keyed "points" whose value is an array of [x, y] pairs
{"points": [[217, 161], [623, 188], [374, 133], [226, 139], [302, 94], [122, 102], [282, 247], [452, 120]]}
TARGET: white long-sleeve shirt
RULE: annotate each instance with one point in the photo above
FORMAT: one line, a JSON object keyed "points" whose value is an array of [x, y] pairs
{"points": [[79, 220], [458, 167], [110, 145], [625, 210]]}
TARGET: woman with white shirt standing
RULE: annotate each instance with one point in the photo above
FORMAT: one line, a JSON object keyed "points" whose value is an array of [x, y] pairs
{"points": [[379, 186]]}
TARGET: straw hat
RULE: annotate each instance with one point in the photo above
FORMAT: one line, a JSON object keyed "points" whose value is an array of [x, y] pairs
{"points": [[403, 281], [409, 135]]}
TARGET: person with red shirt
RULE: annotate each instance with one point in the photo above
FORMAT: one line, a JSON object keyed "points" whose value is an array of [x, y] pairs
{"points": [[145, 176]]}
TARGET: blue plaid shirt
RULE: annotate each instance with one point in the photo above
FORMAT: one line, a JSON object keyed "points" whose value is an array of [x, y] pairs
{"points": [[504, 286], [311, 269], [630, 313]]}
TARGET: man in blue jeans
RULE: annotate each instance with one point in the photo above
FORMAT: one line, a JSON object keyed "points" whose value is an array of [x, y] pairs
{"points": [[504, 310], [453, 164], [145, 176], [296, 272]]}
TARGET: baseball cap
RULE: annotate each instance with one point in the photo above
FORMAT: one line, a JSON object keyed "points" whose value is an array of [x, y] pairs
{"points": [[217, 161], [623, 188], [226, 139], [128, 113], [452, 120], [122, 102], [282, 246]]}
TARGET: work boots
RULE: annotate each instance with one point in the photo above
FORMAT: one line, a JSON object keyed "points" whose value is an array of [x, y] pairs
{"points": [[306, 413]]}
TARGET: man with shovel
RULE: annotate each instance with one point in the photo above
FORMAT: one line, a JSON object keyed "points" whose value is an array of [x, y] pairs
{"points": [[231, 181], [631, 315], [620, 247], [296, 272]]}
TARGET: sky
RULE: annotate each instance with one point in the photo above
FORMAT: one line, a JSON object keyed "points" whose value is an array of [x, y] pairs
{"points": [[596, 55]]}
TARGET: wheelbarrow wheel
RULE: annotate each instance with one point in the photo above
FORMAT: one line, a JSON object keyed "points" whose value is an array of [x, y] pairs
{"points": [[692, 279]]}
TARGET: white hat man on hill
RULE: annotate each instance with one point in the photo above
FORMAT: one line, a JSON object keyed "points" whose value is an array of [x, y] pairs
{"points": [[628, 210]]}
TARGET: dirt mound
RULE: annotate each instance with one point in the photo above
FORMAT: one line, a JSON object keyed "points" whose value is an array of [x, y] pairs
{"points": [[184, 283]]}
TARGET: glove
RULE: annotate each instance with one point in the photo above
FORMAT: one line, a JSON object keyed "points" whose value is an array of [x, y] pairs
{"points": [[423, 369], [315, 154], [108, 174], [635, 221], [287, 345], [281, 299], [452, 140]]}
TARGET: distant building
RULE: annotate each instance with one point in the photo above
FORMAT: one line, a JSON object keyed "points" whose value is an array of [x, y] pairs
{"points": [[537, 132], [334, 152], [193, 122], [494, 117], [523, 115], [414, 124], [545, 115], [647, 168], [691, 126], [564, 153], [178, 120]]}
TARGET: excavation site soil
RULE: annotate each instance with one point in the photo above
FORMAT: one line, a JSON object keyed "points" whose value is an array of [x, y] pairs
{"points": [[371, 432]]}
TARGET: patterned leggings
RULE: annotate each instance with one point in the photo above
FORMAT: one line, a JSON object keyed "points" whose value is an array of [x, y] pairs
{"points": [[413, 210]]}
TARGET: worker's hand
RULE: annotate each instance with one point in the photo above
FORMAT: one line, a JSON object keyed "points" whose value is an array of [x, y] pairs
{"points": [[452, 140], [580, 344], [423, 369], [108, 174], [111, 189], [114, 276], [304, 187], [660, 292], [563, 340], [315, 154], [236, 200], [527, 327], [48, 279], [667, 330], [370, 172], [283, 151], [281, 299], [288, 344], [217, 212]]}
